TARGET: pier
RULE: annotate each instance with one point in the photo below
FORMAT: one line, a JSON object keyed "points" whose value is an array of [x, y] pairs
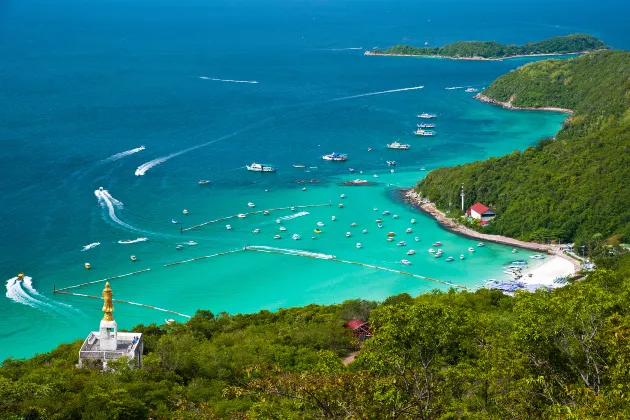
{"points": [[254, 212]]}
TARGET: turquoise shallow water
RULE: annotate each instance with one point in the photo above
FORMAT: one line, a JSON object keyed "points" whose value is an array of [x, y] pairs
{"points": [[107, 80]]}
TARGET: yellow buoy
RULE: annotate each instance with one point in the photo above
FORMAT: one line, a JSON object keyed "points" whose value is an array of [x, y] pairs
{"points": [[87, 265]]}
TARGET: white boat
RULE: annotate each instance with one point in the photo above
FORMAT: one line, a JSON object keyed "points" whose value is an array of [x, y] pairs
{"points": [[333, 218], [519, 262], [392, 171], [353, 224], [411, 252], [426, 115], [250, 204], [375, 176], [277, 237], [304, 189], [241, 216], [426, 125], [320, 224], [390, 239], [133, 258], [173, 221], [179, 247], [537, 257], [278, 221], [351, 169], [461, 257], [204, 182], [424, 133], [87, 265], [191, 243], [335, 157], [364, 231], [395, 216], [405, 262], [342, 196], [423, 169], [292, 208], [348, 234], [358, 245], [261, 167], [375, 208], [449, 259], [228, 227], [399, 146], [380, 226], [438, 243], [471, 249], [471, 90], [413, 221], [438, 255], [386, 213], [480, 244], [514, 251], [295, 237], [340, 205], [256, 231], [299, 166], [266, 212], [169, 320], [417, 239], [185, 211], [391, 163], [282, 228], [401, 243], [408, 230]]}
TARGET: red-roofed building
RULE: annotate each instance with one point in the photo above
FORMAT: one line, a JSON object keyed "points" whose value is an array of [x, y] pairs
{"points": [[360, 329], [481, 212]]}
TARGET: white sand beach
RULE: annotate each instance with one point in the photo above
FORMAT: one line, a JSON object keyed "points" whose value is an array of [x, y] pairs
{"points": [[545, 271]]}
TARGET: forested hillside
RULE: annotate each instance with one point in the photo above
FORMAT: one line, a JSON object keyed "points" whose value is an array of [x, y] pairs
{"points": [[574, 43], [564, 354], [573, 187]]}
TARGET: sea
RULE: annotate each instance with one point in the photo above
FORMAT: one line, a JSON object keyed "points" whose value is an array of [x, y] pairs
{"points": [[146, 98]]}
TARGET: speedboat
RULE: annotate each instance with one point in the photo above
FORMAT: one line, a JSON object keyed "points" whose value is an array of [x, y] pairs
{"points": [[241, 216], [480, 244], [299, 166], [375, 209], [461, 257], [133, 258], [417, 239], [375, 176], [204, 182], [390, 239], [380, 226], [87, 265], [426, 125], [320, 224], [395, 216], [173, 221], [304, 189], [278, 221], [449, 259], [379, 220], [250, 204], [191, 243], [228, 227], [335, 157], [519, 262], [471, 249], [185, 211], [386, 213], [471, 90], [399, 146], [438, 254], [277, 237], [427, 115], [342, 196], [408, 230], [292, 208], [431, 250], [333, 218], [411, 252], [317, 231], [364, 231], [537, 257], [295, 236], [353, 224], [391, 162], [261, 167], [340, 205], [423, 169], [348, 234], [358, 245], [424, 133], [282, 228], [438, 243], [413, 221], [391, 234], [514, 251], [351, 169], [266, 212], [405, 262], [169, 321], [179, 247], [401, 243], [256, 231]]}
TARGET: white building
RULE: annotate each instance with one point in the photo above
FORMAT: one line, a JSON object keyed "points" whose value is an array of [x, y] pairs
{"points": [[482, 213], [107, 343]]}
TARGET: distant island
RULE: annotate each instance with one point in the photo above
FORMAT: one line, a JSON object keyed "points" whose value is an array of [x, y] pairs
{"points": [[490, 50]]}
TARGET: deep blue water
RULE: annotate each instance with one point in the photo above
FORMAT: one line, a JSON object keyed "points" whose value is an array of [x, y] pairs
{"points": [[82, 81]]}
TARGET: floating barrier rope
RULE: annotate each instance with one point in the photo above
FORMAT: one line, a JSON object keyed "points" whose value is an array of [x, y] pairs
{"points": [[254, 212], [102, 280], [203, 257], [124, 301]]}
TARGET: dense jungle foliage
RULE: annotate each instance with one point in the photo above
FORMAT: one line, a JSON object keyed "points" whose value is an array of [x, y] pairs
{"points": [[564, 354], [574, 43], [573, 187]]}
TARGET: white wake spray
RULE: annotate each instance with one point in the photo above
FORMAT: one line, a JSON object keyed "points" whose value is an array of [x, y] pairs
{"points": [[121, 155], [24, 293], [90, 246], [298, 252], [132, 241], [106, 200], [454, 87], [253, 82], [293, 216], [341, 49], [383, 92]]}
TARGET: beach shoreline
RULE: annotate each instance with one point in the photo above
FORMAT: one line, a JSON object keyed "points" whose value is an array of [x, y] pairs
{"points": [[476, 58], [508, 105]]}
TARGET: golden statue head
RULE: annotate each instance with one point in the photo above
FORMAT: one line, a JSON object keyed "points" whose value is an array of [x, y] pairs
{"points": [[108, 305]]}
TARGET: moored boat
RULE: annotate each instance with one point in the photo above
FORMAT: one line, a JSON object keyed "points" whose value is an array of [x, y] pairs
{"points": [[480, 244], [411, 252], [417, 239], [295, 237], [391, 162], [283, 229], [299, 166], [426, 115], [425, 133], [405, 262], [348, 234], [87, 265], [185, 211], [438, 243], [401, 243], [399, 146], [133, 258], [413, 221], [256, 231], [317, 231], [250, 204], [390, 239], [204, 182], [228, 227], [449, 259], [241, 216], [358, 245], [408, 230], [173, 221], [277, 237], [426, 125], [395, 216], [335, 157], [179, 247], [471, 249], [461, 257], [261, 167], [320, 224]]}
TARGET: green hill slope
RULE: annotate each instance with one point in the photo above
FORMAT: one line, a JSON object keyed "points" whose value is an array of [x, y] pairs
{"points": [[570, 188]]}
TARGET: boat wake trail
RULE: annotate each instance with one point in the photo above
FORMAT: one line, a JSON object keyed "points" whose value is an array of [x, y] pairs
{"points": [[383, 92], [90, 246], [121, 155], [297, 252], [455, 87], [24, 293], [106, 200], [132, 241], [293, 216], [341, 49], [253, 82]]}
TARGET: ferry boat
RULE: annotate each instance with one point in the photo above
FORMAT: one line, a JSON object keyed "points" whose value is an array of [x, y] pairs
{"points": [[405, 262], [411, 252], [425, 133], [471, 90], [261, 167], [396, 145], [391, 162], [438, 243], [335, 157], [204, 182], [299, 166], [426, 125], [427, 115]]}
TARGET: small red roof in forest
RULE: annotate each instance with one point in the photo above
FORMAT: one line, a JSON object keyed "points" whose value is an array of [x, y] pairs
{"points": [[479, 208], [355, 323]]}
